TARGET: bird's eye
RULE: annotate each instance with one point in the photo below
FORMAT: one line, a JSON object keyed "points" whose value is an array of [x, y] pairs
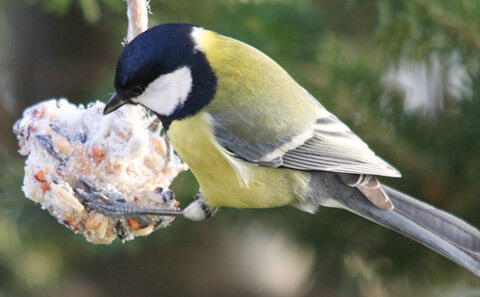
{"points": [[136, 91]]}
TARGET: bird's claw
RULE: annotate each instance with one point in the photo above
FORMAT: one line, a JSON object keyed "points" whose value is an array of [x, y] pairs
{"points": [[114, 205]]}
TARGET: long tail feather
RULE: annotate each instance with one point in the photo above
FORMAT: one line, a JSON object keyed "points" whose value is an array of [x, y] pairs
{"points": [[434, 228]]}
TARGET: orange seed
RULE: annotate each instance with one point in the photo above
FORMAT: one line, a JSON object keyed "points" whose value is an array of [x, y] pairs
{"points": [[39, 175], [45, 186], [160, 146], [134, 224], [63, 145], [98, 150]]}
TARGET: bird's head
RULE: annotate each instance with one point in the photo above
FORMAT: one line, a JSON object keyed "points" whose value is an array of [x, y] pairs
{"points": [[165, 71]]}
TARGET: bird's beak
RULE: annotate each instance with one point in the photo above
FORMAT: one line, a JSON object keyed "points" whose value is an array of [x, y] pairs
{"points": [[115, 102]]}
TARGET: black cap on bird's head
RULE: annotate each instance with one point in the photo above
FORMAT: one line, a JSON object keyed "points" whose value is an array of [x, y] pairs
{"points": [[164, 70]]}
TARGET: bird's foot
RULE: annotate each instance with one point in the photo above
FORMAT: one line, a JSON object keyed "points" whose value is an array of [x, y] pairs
{"points": [[198, 210], [114, 205]]}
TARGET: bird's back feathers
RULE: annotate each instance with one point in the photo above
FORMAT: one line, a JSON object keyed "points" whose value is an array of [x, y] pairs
{"points": [[263, 116]]}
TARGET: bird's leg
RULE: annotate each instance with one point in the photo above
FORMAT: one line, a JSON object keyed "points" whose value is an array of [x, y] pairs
{"points": [[113, 205], [198, 210], [154, 125], [169, 148]]}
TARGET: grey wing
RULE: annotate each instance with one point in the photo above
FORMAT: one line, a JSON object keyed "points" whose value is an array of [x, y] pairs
{"points": [[334, 147], [325, 144]]}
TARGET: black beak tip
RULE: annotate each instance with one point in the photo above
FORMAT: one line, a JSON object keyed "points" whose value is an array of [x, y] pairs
{"points": [[114, 103], [105, 110]]}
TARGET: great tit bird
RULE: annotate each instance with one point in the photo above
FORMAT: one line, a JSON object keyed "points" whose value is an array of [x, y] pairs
{"points": [[254, 138]]}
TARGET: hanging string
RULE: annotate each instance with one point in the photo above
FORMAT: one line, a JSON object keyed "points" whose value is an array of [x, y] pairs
{"points": [[137, 13]]}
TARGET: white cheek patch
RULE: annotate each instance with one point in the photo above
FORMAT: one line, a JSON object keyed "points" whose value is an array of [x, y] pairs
{"points": [[167, 92]]}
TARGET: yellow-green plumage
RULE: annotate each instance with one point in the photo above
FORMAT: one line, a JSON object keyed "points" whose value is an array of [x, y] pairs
{"points": [[249, 80], [225, 181], [221, 184]]}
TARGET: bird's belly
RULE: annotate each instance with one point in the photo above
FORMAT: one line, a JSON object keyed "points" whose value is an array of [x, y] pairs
{"points": [[221, 181]]}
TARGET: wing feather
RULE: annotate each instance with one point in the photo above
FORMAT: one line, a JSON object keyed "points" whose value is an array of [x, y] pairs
{"points": [[324, 144]]}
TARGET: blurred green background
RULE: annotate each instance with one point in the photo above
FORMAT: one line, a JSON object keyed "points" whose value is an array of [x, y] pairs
{"points": [[404, 74]]}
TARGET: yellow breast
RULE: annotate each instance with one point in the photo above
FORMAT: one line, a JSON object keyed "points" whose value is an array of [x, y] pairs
{"points": [[227, 181]]}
